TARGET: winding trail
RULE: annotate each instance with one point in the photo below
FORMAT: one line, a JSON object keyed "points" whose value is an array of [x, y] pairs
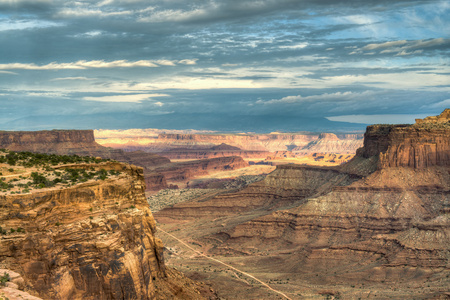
{"points": [[226, 265]]}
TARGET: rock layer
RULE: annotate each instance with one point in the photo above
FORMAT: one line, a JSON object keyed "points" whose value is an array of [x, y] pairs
{"points": [[95, 240]]}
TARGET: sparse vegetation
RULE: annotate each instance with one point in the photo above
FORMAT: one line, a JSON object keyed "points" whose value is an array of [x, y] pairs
{"points": [[4, 279], [25, 171]]}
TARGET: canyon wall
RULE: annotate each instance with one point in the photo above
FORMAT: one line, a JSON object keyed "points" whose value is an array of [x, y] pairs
{"points": [[94, 240]]}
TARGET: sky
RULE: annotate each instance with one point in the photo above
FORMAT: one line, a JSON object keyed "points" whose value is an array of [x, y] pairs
{"points": [[226, 65]]}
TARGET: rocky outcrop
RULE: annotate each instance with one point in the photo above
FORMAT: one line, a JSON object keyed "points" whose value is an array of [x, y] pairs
{"points": [[94, 240], [427, 143]]}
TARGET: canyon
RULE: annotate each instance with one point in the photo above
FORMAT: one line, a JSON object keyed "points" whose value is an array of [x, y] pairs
{"points": [[89, 239], [375, 227]]}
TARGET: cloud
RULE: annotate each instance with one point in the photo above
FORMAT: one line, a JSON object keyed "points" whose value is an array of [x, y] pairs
{"points": [[6, 25], [48, 94], [338, 96], [132, 98], [404, 47], [94, 64], [8, 72], [442, 104], [294, 47], [85, 13]]}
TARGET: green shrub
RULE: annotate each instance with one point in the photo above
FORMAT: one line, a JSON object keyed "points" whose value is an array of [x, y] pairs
{"points": [[4, 279]]}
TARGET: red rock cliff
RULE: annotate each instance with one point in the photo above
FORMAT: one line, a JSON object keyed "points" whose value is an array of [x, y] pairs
{"points": [[424, 144], [95, 240]]}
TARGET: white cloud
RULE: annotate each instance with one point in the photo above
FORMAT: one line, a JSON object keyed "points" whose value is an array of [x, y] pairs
{"points": [[93, 64], [339, 96], [6, 25], [132, 98], [294, 47], [86, 12]]}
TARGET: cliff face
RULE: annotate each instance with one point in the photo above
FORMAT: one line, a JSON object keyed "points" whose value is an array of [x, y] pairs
{"points": [[427, 143], [95, 240], [55, 141]]}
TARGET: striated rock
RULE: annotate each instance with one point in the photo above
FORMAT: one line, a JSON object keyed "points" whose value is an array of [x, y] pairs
{"points": [[95, 240], [424, 144]]}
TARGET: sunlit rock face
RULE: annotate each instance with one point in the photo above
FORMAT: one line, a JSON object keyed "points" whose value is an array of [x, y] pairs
{"points": [[93, 240]]}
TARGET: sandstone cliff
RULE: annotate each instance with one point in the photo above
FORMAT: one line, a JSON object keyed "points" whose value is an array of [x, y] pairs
{"points": [[424, 144], [94, 240]]}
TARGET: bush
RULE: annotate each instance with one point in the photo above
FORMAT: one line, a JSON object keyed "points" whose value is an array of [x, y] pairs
{"points": [[4, 279]]}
